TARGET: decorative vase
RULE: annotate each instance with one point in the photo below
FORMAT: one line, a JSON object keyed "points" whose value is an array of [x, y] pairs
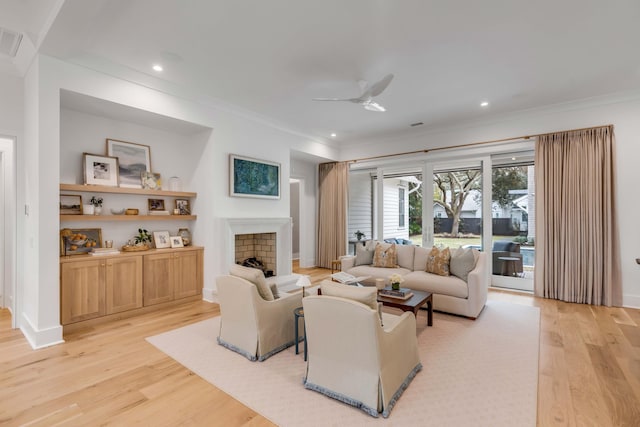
{"points": [[395, 286], [186, 236], [97, 210], [87, 209], [175, 184]]}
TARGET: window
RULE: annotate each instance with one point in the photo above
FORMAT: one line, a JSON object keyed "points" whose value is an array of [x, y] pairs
{"points": [[401, 207]]}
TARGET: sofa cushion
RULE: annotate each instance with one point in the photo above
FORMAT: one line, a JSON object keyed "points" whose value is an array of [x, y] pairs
{"points": [[443, 285], [405, 254], [462, 262], [254, 276], [438, 261], [364, 253], [385, 255], [365, 295], [420, 258]]}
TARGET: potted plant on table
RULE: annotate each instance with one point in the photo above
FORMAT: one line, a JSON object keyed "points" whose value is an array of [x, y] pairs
{"points": [[395, 280], [96, 202], [359, 235]]}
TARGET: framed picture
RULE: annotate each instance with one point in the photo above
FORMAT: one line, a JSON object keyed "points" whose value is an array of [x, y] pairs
{"points": [[156, 204], [176, 242], [78, 241], [70, 204], [161, 239], [183, 206], [133, 159], [253, 178], [151, 181], [100, 170]]}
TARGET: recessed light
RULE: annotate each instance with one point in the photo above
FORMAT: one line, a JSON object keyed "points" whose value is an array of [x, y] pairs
{"points": [[513, 158], [157, 67], [333, 135], [484, 104]]}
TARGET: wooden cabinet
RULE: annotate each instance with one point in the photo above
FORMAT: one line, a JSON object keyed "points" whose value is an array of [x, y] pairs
{"points": [[169, 276], [95, 287], [82, 290], [124, 284]]}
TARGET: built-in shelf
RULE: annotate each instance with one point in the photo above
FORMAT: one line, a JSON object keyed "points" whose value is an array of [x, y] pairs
{"points": [[75, 218], [122, 190]]}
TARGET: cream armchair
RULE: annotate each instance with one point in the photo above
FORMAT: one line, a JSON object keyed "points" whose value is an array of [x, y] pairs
{"points": [[353, 358], [249, 324]]}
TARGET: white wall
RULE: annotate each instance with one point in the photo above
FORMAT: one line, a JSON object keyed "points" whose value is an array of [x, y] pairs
{"points": [[622, 112], [40, 174], [11, 105], [294, 212]]}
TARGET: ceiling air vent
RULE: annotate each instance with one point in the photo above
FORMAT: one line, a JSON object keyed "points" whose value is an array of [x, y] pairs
{"points": [[9, 42], [416, 124]]}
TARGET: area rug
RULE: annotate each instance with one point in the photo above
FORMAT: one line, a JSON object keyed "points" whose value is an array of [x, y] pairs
{"points": [[480, 373]]}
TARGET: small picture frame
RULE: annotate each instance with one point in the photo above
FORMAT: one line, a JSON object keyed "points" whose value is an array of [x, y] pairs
{"points": [[70, 204], [100, 170], [151, 181], [156, 204], [183, 206], [133, 159], [162, 239], [176, 242], [79, 241]]}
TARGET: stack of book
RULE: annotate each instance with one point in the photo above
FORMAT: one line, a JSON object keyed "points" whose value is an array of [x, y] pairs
{"points": [[402, 293], [158, 212], [104, 251]]}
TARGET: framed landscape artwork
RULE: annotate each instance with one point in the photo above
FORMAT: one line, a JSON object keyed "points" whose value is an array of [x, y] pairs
{"points": [[253, 178], [133, 159], [100, 170], [70, 204]]}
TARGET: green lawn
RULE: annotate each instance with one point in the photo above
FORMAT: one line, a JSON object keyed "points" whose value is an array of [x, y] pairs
{"points": [[454, 243]]}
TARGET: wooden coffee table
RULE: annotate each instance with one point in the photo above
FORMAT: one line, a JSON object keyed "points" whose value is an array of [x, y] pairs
{"points": [[412, 304]]}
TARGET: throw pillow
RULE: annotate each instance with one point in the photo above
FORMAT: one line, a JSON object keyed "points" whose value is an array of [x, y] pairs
{"points": [[367, 295], [385, 255], [462, 262], [438, 261], [364, 254], [254, 276]]}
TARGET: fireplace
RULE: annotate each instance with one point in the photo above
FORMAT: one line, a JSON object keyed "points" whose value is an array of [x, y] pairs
{"points": [[257, 250], [279, 237]]}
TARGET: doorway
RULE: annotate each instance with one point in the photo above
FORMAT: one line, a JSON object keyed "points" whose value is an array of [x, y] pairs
{"points": [[8, 227], [294, 213]]}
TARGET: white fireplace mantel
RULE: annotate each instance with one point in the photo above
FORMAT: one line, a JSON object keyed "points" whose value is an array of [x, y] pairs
{"points": [[280, 226]]}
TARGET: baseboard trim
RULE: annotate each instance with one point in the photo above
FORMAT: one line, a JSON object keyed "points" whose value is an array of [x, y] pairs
{"points": [[631, 301], [40, 338]]}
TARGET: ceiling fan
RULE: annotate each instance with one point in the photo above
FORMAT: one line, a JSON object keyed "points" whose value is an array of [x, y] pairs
{"points": [[368, 92]]}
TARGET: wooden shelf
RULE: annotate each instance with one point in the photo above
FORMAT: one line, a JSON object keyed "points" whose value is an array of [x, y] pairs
{"points": [[76, 218], [123, 190]]}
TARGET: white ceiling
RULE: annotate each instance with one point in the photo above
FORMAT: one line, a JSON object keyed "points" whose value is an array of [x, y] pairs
{"points": [[272, 57]]}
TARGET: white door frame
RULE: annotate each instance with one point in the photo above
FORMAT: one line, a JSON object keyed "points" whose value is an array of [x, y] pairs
{"points": [[302, 221], [8, 251]]}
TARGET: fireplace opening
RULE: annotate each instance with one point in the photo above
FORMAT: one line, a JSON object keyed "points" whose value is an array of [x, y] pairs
{"points": [[257, 250]]}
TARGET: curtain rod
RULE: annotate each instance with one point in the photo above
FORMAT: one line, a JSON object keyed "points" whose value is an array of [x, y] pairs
{"points": [[471, 144]]}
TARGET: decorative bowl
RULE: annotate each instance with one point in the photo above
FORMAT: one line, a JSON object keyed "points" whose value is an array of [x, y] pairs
{"points": [[131, 211], [117, 211]]}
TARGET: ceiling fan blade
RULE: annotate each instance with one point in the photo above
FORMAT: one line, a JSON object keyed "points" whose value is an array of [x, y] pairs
{"points": [[378, 87], [336, 99], [373, 106]]}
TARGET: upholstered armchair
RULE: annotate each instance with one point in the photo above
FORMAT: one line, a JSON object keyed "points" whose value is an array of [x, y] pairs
{"points": [[506, 248], [251, 325], [352, 357]]}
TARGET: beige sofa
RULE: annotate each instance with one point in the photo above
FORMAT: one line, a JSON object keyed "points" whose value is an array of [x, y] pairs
{"points": [[451, 294]]}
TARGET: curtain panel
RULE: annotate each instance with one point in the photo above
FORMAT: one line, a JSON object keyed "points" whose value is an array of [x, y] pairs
{"points": [[332, 212], [577, 245]]}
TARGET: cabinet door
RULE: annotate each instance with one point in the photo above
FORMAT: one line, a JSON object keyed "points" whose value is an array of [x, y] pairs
{"points": [[188, 274], [82, 290], [158, 278], [124, 284]]}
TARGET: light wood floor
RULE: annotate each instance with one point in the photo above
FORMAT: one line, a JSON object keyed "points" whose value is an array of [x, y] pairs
{"points": [[108, 374]]}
